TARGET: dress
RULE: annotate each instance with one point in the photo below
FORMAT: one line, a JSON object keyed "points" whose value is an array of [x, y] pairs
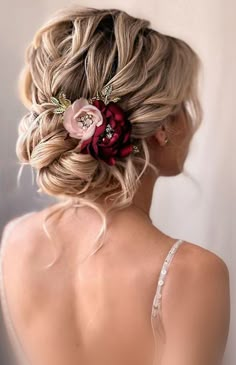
{"points": [[155, 310]]}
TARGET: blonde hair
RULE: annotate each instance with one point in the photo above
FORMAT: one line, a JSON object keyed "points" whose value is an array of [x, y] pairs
{"points": [[80, 50]]}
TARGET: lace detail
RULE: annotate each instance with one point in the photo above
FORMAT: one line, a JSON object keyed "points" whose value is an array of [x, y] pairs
{"points": [[156, 306], [161, 281]]}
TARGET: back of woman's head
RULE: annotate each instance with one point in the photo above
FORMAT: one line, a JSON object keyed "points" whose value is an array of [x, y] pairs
{"points": [[79, 51]]}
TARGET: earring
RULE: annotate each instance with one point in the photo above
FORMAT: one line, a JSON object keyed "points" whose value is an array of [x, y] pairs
{"points": [[165, 142], [166, 139]]}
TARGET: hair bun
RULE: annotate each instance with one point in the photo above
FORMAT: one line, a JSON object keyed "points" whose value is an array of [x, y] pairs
{"points": [[79, 51]]}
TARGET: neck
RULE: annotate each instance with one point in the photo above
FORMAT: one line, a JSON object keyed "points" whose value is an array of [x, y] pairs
{"points": [[143, 197]]}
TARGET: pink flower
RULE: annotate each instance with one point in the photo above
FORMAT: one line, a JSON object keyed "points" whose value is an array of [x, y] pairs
{"points": [[81, 119]]}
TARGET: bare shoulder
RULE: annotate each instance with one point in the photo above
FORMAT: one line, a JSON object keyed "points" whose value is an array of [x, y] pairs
{"points": [[14, 228], [27, 244], [19, 245], [203, 261], [204, 276], [19, 230], [24, 243], [24, 253], [204, 267], [23, 232], [196, 301]]}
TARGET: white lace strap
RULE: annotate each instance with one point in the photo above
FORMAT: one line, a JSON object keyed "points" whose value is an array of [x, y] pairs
{"points": [[157, 302], [162, 277]]}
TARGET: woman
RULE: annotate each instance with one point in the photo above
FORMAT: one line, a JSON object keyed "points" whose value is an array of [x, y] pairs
{"points": [[113, 105]]}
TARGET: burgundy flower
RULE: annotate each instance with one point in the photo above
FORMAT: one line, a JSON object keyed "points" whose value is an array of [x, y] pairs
{"points": [[111, 139]]}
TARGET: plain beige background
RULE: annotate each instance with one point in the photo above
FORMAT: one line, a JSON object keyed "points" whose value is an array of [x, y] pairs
{"points": [[198, 205]]}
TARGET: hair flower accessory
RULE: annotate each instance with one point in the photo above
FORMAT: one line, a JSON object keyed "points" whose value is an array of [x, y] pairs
{"points": [[81, 118], [99, 123]]}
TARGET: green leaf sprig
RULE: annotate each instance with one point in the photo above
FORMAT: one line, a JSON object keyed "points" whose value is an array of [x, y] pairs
{"points": [[104, 95], [62, 103]]}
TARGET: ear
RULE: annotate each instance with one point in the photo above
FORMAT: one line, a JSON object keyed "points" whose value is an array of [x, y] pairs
{"points": [[160, 135]]}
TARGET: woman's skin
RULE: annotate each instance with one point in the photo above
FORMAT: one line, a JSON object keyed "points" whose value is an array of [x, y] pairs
{"points": [[98, 311]]}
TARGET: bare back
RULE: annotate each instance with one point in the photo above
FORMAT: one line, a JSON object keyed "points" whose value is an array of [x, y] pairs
{"points": [[98, 310]]}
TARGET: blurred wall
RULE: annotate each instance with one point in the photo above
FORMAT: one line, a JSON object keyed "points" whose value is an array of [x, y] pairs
{"points": [[198, 205]]}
